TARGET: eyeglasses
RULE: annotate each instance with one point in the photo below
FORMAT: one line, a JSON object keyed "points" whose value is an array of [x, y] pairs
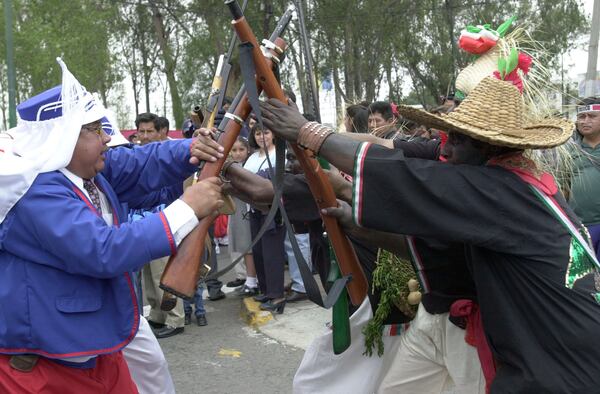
{"points": [[94, 128]]}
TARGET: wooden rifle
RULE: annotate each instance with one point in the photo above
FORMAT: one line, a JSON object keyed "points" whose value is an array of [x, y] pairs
{"points": [[316, 178], [182, 272]]}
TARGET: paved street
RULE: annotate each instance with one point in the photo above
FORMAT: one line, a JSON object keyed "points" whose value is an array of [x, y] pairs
{"points": [[228, 356]]}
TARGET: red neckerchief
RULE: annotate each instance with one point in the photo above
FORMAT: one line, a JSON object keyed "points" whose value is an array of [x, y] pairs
{"points": [[527, 170]]}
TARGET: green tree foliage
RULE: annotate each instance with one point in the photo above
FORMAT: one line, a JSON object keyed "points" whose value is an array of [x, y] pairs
{"points": [[75, 30], [410, 46]]}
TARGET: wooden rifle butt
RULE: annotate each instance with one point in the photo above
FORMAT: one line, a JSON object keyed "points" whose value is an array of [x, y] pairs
{"points": [[180, 277]]}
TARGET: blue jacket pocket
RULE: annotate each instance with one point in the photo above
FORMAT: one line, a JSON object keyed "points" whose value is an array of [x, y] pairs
{"points": [[78, 304]]}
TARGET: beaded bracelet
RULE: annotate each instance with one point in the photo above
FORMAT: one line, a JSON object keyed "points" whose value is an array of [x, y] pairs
{"points": [[312, 135]]}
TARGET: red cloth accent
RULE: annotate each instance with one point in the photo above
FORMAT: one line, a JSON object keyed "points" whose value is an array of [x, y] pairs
{"points": [[221, 226], [110, 375], [475, 336], [395, 109], [170, 237], [524, 63], [476, 46], [443, 141], [525, 169]]}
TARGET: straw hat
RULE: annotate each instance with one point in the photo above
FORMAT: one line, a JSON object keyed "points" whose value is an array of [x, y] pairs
{"points": [[493, 113]]}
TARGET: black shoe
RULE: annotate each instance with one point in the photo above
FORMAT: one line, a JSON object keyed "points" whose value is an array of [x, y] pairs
{"points": [[245, 291], [271, 306], [201, 320], [156, 325], [261, 298], [296, 296], [167, 331], [188, 319], [236, 283], [219, 295]]}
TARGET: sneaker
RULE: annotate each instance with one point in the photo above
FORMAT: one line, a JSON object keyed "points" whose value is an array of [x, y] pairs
{"points": [[188, 319], [245, 291]]}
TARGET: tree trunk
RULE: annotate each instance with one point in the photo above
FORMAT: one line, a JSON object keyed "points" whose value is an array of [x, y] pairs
{"points": [[169, 61]]}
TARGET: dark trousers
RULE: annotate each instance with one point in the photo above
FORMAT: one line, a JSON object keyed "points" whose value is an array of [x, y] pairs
{"points": [[213, 285], [269, 256]]}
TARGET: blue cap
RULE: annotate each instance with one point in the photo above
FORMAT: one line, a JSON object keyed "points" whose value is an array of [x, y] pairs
{"points": [[46, 105]]}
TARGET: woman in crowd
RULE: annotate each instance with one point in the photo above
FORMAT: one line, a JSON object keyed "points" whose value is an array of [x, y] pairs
{"points": [[268, 253]]}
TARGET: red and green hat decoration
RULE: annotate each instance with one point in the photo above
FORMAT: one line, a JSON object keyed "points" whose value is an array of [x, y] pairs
{"points": [[481, 38], [508, 68]]}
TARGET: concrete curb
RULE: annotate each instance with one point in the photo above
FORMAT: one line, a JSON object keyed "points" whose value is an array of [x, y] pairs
{"points": [[252, 314], [300, 323]]}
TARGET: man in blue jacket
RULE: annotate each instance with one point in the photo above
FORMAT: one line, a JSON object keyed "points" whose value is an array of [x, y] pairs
{"points": [[67, 303]]}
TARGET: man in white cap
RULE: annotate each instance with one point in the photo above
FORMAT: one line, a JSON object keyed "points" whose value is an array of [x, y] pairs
{"points": [[585, 185], [68, 306], [539, 324]]}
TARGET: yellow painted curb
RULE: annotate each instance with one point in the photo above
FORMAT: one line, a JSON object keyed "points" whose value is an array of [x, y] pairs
{"points": [[252, 314]]}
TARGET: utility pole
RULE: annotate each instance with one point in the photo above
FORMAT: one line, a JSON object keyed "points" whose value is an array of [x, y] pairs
{"points": [[591, 75], [10, 65]]}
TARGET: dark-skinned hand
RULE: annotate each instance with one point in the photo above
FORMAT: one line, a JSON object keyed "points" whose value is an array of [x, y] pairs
{"points": [[204, 147], [284, 120], [343, 214]]}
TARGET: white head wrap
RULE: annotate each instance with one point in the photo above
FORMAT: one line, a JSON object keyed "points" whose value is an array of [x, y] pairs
{"points": [[38, 146]]}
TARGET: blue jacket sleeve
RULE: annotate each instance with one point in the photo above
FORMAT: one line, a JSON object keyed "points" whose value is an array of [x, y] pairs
{"points": [[166, 196], [51, 226], [141, 170]]}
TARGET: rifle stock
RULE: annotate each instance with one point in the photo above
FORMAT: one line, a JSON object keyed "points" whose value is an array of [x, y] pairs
{"points": [[317, 180], [181, 274]]}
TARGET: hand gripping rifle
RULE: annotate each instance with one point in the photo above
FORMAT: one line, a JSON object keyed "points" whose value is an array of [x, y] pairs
{"points": [[317, 180], [181, 274]]}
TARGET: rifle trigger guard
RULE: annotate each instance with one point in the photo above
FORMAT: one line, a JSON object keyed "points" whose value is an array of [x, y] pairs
{"points": [[234, 117], [271, 45]]}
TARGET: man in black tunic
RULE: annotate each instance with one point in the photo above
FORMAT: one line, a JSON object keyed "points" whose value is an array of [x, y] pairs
{"points": [[541, 330]]}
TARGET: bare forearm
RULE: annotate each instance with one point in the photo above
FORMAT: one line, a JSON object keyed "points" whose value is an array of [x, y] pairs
{"points": [[251, 186], [340, 151]]}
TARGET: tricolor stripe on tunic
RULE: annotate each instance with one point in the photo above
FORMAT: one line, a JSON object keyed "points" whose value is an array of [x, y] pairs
{"points": [[358, 182]]}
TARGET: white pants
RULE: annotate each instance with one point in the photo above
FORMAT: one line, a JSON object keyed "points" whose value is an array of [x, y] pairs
{"points": [[147, 363], [321, 371], [433, 354]]}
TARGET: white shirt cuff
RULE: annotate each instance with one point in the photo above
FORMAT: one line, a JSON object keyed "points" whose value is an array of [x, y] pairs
{"points": [[181, 218]]}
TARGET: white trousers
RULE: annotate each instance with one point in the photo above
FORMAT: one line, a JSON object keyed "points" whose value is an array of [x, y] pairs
{"points": [[432, 355], [321, 371], [147, 363]]}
